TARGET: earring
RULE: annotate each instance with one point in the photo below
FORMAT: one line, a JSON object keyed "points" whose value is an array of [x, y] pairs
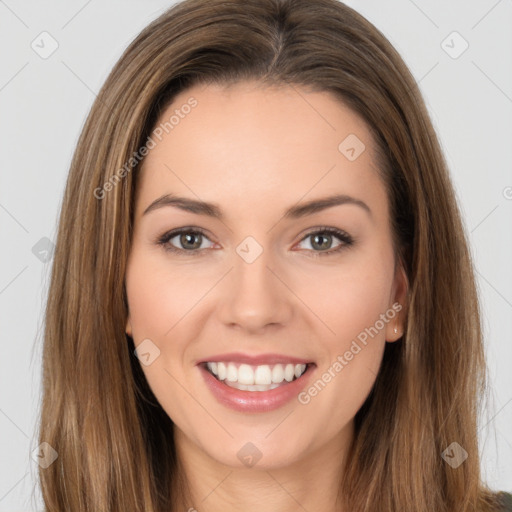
{"points": [[396, 330]]}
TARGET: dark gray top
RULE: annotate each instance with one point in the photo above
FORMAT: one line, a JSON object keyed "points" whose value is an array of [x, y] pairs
{"points": [[506, 500]]}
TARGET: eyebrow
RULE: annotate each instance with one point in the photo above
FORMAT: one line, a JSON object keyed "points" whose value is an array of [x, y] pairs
{"points": [[294, 212]]}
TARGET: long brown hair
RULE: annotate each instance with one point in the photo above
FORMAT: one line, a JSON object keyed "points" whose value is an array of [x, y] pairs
{"points": [[114, 441]]}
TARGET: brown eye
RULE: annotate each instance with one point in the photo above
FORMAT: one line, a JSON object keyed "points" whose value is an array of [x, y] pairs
{"points": [[322, 239], [188, 241]]}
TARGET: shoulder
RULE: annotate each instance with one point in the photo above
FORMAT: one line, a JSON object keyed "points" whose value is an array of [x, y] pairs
{"points": [[505, 501]]}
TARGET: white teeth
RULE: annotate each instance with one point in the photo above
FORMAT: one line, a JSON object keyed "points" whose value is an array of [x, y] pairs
{"points": [[248, 376], [263, 375], [278, 373], [221, 370], [256, 387], [231, 373], [245, 375], [289, 371]]}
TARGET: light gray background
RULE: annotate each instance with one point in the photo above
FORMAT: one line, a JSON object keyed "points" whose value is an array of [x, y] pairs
{"points": [[44, 102]]}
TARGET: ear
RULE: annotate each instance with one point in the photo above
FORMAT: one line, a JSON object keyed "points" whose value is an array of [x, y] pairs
{"points": [[128, 329], [398, 305]]}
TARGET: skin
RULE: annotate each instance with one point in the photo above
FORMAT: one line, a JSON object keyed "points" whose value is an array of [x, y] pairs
{"points": [[255, 152]]}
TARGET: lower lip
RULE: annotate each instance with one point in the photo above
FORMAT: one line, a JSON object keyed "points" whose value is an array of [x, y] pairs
{"points": [[256, 401]]}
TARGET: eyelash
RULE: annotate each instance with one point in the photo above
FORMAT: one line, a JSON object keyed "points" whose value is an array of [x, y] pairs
{"points": [[344, 237]]}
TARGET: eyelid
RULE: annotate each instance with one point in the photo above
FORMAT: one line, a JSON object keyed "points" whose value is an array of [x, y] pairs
{"points": [[345, 238], [163, 240]]}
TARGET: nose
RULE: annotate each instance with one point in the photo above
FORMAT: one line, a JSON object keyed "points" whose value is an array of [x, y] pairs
{"points": [[255, 295]]}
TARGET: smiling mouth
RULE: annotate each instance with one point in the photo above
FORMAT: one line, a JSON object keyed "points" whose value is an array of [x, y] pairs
{"points": [[256, 377]]}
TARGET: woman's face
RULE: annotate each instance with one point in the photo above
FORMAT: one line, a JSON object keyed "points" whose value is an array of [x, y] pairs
{"points": [[260, 292]]}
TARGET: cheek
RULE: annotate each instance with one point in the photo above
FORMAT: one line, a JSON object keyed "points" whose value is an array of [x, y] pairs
{"points": [[352, 302], [164, 302], [158, 301], [158, 296], [341, 300], [348, 298]]}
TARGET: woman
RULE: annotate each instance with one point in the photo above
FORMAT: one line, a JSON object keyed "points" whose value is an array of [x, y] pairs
{"points": [[244, 371]]}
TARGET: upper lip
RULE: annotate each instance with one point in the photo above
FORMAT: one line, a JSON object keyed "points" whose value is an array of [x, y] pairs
{"points": [[255, 360]]}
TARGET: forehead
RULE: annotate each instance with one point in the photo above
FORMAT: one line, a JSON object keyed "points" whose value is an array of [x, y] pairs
{"points": [[263, 145]]}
